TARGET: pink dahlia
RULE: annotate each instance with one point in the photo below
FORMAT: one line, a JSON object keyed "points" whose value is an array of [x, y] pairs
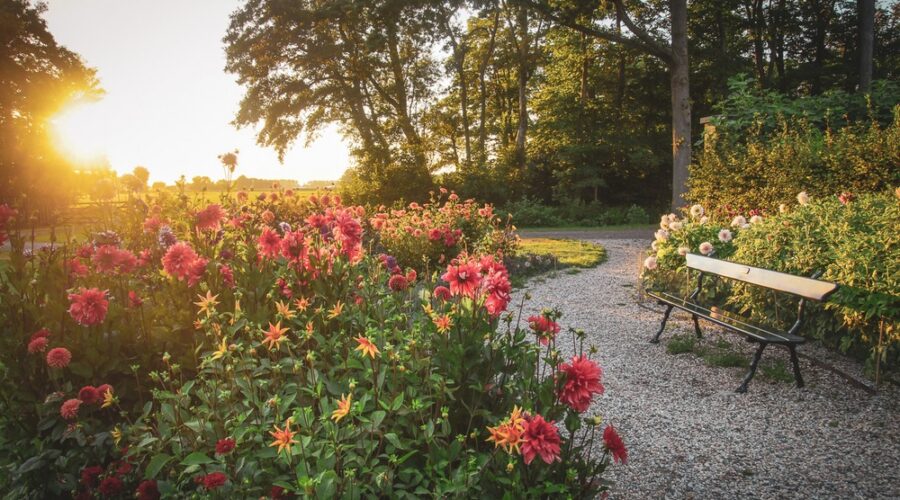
{"points": [[211, 217], [582, 382], [269, 243], [88, 306], [442, 292], [178, 260], [541, 439], [464, 279], [69, 409], [37, 345], [544, 328], [59, 357]]}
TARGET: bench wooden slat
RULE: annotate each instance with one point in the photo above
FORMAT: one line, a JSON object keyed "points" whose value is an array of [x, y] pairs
{"points": [[804, 287]]}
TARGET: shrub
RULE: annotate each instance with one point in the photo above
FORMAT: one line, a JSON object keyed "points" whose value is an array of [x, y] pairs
{"points": [[426, 236], [757, 170], [529, 212], [852, 239], [265, 351]]}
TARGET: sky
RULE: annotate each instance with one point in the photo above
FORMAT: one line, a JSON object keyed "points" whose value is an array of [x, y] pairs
{"points": [[169, 102]]}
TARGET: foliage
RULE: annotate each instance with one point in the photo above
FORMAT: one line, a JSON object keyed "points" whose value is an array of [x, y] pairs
{"points": [[257, 347], [758, 170], [529, 212], [850, 238], [747, 108]]}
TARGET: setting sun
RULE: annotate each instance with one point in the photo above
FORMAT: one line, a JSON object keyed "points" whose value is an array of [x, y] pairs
{"points": [[78, 132]]}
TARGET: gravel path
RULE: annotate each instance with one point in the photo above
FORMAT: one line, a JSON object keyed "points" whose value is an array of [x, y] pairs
{"points": [[690, 436]]}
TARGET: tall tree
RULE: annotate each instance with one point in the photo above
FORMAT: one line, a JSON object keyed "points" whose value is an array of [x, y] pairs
{"points": [[38, 77], [673, 53], [363, 65], [866, 43]]}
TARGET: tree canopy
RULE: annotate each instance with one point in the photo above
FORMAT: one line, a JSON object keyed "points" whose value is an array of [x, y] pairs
{"points": [[563, 101]]}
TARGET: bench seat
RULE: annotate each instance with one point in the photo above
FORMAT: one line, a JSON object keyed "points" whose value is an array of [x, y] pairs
{"points": [[728, 320]]}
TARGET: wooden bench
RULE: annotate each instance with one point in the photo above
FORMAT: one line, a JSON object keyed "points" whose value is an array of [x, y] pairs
{"points": [[804, 288]]}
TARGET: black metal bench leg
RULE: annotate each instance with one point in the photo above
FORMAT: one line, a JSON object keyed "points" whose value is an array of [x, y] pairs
{"points": [[655, 339], [796, 364], [697, 328], [753, 365]]}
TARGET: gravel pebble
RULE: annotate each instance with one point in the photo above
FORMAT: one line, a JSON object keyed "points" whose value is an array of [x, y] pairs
{"points": [[689, 435]]}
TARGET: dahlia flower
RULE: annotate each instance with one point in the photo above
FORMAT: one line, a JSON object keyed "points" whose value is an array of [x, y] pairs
{"points": [[69, 409], [650, 263], [614, 444], [696, 211], [464, 279], [541, 439], [269, 243], [178, 260], [211, 217], [88, 306], [724, 236], [739, 221], [224, 446], [582, 382], [803, 198], [683, 250], [89, 395], [37, 345], [706, 248], [59, 357]]}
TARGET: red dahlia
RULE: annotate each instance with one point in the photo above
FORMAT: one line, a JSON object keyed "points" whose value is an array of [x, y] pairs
{"points": [[89, 395], [614, 444], [398, 283], [88, 306], [89, 475], [582, 382], [148, 490], [111, 486], [541, 439], [224, 446], [214, 480]]}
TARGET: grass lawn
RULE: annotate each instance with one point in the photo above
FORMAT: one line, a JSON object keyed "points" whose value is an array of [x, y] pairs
{"points": [[571, 253], [539, 256]]}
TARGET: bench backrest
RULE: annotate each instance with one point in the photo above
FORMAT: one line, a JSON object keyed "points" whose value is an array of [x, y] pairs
{"points": [[798, 285]]}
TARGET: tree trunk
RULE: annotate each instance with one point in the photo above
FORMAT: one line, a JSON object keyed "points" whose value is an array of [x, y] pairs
{"points": [[523, 43], [681, 103], [756, 22], [620, 77], [866, 43]]}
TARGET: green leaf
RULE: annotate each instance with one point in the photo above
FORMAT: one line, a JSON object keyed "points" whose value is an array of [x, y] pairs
{"points": [[197, 458], [378, 417], [156, 464], [398, 402], [394, 440]]}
